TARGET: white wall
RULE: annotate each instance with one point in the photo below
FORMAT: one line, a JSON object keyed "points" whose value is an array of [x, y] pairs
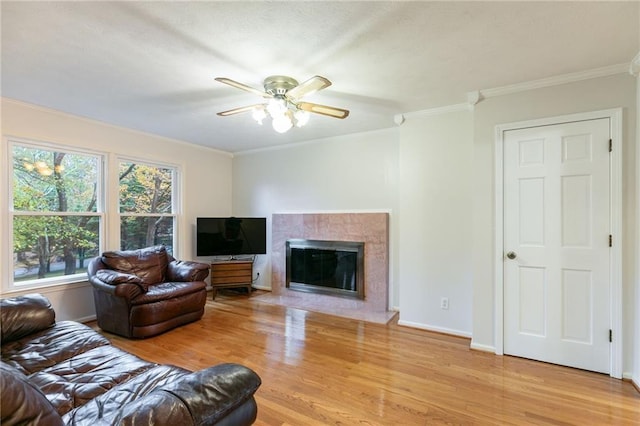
{"points": [[353, 173], [589, 95], [636, 351], [206, 180], [435, 218]]}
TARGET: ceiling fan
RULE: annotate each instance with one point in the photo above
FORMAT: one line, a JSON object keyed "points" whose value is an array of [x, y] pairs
{"points": [[284, 103]]}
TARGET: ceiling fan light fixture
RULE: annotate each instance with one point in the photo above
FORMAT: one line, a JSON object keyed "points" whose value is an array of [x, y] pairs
{"points": [[259, 114], [284, 105], [282, 123], [302, 117], [277, 106]]}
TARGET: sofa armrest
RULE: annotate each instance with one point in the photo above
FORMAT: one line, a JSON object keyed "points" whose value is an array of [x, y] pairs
{"points": [[222, 394], [23, 403], [181, 271], [24, 315]]}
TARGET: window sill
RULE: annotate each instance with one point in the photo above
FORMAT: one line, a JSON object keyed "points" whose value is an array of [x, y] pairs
{"points": [[18, 290]]}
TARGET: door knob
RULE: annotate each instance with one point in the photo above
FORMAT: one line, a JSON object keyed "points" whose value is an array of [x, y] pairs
{"points": [[511, 255]]}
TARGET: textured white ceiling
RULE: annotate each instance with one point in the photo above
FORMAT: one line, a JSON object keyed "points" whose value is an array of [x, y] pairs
{"points": [[150, 65]]}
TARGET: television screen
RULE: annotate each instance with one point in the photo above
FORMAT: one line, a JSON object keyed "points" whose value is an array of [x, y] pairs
{"points": [[231, 236]]}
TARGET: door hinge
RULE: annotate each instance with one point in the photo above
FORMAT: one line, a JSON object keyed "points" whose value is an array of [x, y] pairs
{"points": [[610, 145], [610, 335], [610, 240]]}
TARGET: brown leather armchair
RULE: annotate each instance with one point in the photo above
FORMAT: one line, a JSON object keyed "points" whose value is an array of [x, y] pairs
{"points": [[141, 293]]}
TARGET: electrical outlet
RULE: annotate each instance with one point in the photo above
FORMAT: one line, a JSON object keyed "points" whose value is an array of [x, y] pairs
{"points": [[444, 303]]}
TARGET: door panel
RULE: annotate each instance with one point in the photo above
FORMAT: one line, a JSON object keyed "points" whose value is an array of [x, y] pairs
{"points": [[557, 221], [532, 301]]}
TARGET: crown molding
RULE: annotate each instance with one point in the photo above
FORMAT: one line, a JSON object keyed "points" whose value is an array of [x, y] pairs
{"points": [[477, 96], [94, 121], [439, 110], [634, 68], [555, 80]]}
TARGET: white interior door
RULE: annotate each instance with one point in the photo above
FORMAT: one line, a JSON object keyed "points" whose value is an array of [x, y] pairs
{"points": [[556, 243]]}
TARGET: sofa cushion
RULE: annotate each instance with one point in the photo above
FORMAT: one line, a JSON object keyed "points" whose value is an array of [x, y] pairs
{"points": [[43, 349], [111, 402], [150, 264], [23, 315], [157, 408], [21, 402], [78, 380]]}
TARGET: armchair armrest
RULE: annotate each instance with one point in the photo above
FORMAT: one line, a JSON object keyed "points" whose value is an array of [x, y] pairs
{"points": [[23, 315], [116, 283], [125, 290], [109, 276], [222, 394], [184, 270]]}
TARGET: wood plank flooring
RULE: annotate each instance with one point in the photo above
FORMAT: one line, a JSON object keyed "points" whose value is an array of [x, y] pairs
{"points": [[319, 369]]}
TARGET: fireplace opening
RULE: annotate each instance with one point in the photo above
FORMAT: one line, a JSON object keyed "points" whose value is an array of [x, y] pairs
{"points": [[326, 267]]}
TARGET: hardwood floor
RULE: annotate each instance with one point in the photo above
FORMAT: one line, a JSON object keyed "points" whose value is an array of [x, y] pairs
{"points": [[320, 369]]}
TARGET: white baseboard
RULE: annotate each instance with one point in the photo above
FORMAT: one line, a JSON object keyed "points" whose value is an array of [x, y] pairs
{"points": [[482, 348], [261, 287], [442, 330]]}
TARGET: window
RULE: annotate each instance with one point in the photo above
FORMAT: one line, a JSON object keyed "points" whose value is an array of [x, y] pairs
{"points": [[56, 213], [147, 212]]}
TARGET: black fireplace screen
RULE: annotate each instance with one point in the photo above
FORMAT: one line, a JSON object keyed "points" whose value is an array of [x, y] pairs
{"points": [[329, 267]]}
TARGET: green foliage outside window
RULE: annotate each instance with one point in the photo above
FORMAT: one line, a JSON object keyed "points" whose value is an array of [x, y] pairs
{"points": [[146, 206], [55, 221]]}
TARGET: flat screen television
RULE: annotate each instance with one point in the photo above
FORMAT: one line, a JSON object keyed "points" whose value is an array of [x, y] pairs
{"points": [[231, 236]]}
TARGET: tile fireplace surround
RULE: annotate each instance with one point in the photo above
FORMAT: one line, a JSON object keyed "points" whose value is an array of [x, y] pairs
{"points": [[370, 228]]}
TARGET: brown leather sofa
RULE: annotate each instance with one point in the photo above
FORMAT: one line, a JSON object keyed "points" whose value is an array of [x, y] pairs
{"points": [[141, 293], [56, 373]]}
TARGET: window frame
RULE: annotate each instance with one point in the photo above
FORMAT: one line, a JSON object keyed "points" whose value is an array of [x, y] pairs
{"points": [[101, 161], [175, 197]]}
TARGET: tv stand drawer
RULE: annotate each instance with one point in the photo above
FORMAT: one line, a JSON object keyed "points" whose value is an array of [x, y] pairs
{"points": [[231, 274]]}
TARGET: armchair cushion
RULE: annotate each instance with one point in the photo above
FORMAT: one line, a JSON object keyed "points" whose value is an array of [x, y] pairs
{"points": [[109, 276], [168, 291], [150, 264]]}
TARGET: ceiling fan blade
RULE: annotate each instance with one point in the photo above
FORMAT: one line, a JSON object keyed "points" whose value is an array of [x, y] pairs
{"points": [[237, 85], [240, 110], [310, 86], [324, 110]]}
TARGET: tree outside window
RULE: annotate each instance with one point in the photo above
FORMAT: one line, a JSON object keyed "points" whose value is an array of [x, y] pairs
{"points": [[55, 217], [147, 214]]}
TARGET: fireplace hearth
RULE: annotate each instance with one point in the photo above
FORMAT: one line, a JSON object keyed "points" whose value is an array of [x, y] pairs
{"points": [[325, 267]]}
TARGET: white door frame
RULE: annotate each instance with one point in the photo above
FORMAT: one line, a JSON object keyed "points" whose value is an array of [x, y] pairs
{"points": [[615, 117]]}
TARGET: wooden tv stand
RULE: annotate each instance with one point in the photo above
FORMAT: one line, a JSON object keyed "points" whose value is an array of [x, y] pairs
{"points": [[231, 273]]}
